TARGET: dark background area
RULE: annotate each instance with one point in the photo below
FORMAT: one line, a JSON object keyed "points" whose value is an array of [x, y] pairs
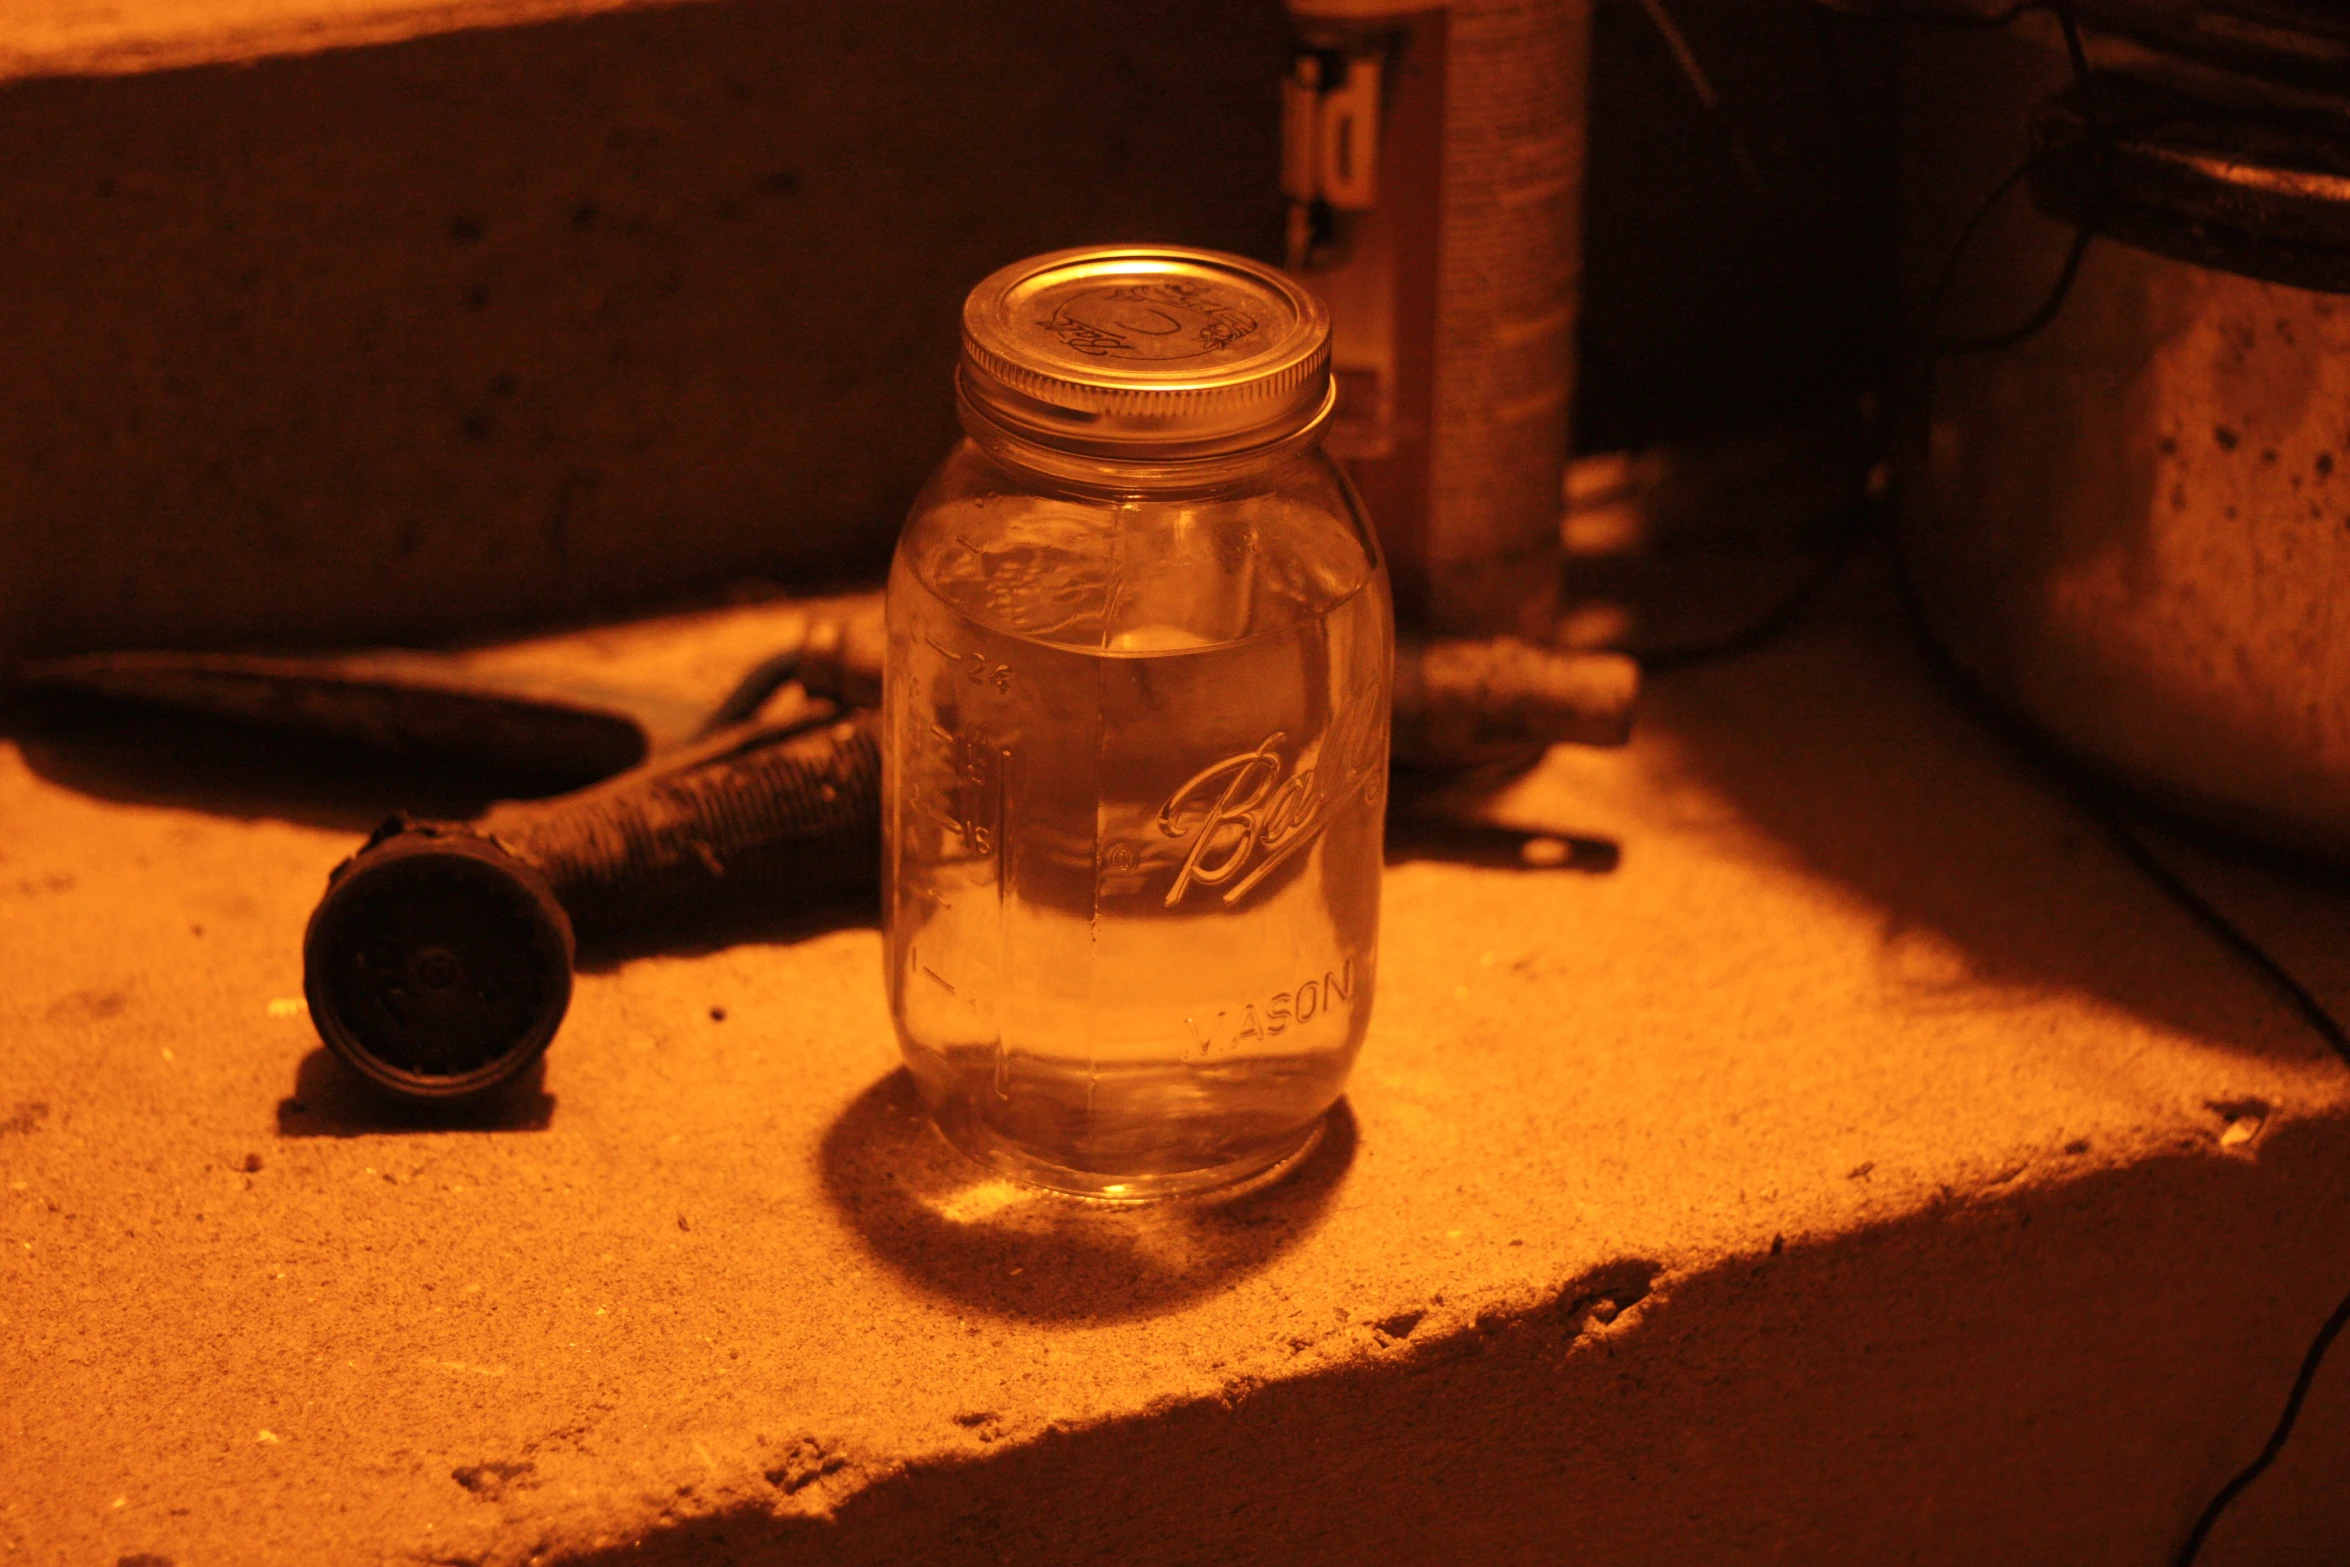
{"points": [[1737, 254], [527, 324]]}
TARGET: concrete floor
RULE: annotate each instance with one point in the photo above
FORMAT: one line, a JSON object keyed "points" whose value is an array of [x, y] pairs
{"points": [[1873, 1168]]}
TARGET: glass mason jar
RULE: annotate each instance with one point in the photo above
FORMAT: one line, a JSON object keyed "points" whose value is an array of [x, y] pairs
{"points": [[1135, 732]]}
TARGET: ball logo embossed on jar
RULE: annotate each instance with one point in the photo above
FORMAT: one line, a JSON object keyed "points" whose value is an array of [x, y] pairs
{"points": [[1170, 320], [1257, 818]]}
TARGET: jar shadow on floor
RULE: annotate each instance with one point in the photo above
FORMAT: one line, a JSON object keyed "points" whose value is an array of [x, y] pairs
{"points": [[956, 1229]]}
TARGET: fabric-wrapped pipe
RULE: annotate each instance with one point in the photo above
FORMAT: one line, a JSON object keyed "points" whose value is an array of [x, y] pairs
{"points": [[438, 964]]}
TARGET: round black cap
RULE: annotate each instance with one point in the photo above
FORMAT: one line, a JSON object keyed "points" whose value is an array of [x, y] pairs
{"points": [[437, 964]]}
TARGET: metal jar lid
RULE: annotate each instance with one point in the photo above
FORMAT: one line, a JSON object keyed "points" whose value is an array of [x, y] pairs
{"points": [[1149, 353]]}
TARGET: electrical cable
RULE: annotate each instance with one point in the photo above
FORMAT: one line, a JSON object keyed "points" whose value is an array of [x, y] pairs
{"points": [[2090, 799], [2084, 85], [1874, 202], [2276, 1438], [1701, 84], [2330, 1029], [2032, 325], [2230, 934], [2006, 18], [2133, 848], [2128, 843]]}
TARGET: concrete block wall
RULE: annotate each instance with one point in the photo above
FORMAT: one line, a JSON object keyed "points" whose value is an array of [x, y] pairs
{"points": [[532, 321]]}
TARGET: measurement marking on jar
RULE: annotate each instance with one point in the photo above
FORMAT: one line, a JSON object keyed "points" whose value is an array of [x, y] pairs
{"points": [[970, 804], [1296, 1007], [975, 668]]}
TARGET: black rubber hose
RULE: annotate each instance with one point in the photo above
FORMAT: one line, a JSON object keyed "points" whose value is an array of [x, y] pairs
{"points": [[438, 964]]}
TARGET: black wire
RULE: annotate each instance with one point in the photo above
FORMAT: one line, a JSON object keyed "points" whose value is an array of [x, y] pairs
{"points": [[1967, 231], [2329, 1028], [1701, 87], [2031, 325], [2276, 1439], [2132, 848], [2084, 79], [2091, 799], [2205, 913], [2230, 934], [2084, 82]]}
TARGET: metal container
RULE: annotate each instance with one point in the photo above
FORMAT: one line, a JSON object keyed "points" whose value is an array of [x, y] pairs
{"points": [[2127, 515], [1433, 170]]}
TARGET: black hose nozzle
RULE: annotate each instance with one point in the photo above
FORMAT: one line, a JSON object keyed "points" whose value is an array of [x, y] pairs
{"points": [[438, 964]]}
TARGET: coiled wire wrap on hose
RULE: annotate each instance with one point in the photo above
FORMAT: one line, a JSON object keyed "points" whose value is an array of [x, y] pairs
{"points": [[438, 965], [797, 815]]}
